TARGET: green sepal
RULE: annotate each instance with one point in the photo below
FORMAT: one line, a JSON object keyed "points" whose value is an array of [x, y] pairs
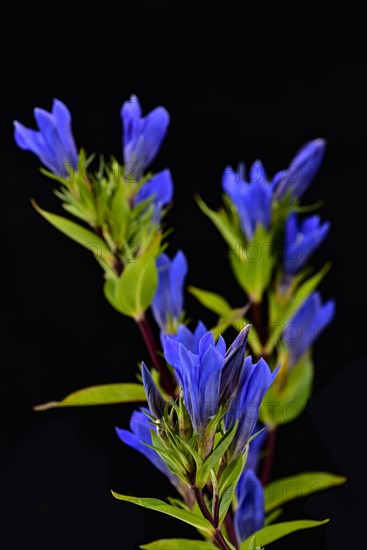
{"points": [[179, 544]]}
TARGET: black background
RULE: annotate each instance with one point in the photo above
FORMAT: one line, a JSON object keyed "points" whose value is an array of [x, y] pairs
{"points": [[237, 88]]}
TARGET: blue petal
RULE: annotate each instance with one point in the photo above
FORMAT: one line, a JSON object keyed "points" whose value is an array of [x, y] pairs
{"points": [[198, 334], [177, 276], [159, 188], [63, 122], [33, 141], [47, 125], [250, 514], [154, 131], [161, 304], [155, 401]]}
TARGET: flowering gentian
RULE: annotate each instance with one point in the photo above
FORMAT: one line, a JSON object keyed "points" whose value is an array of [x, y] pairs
{"points": [[254, 382], [167, 304], [301, 171], [155, 401], [142, 136], [306, 325], [252, 200], [186, 337], [139, 437], [54, 142], [301, 239], [249, 516], [159, 189], [234, 361], [256, 446], [199, 375]]}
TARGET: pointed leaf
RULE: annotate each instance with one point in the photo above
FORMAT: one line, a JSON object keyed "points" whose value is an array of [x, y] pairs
{"points": [[221, 221], [106, 394], [283, 490], [271, 533], [210, 300], [160, 506], [179, 544], [78, 233]]}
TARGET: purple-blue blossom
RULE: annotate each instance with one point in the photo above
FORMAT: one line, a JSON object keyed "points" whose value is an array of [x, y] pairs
{"points": [[301, 171], [301, 239], [53, 143], [142, 136], [255, 380], [249, 516], [306, 326], [159, 188], [253, 199], [167, 304]]}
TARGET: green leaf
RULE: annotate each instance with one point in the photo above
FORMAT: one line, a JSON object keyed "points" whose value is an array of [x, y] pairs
{"points": [[179, 544], [78, 233], [160, 506], [273, 516], [271, 533], [221, 222], [281, 407], [283, 490], [281, 314], [251, 545], [210, 300], [133, 292], [106, 394], [252, 265], [203, 473]]}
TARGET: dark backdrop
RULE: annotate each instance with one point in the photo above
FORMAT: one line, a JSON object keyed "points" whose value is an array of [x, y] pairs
{"points": [[238, 89]]}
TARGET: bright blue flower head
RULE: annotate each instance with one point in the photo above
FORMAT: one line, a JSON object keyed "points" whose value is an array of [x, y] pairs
{"points": [[186, 337], [254, 382], [137, 439], [199, 375], [142, 136], [301, 171], [249, 517], [168, 300], [54, 142], [252, 200], [159, 188], [307, 325], [301, 239]]}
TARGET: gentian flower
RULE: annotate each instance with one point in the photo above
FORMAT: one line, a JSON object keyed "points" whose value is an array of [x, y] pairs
{"points": [[301, 240], [199, 375], [155, 400], [54, 142], [234, 361], [307, 324], [167, 304], [159, 189], [256, 446], [254, 382], [249, 516], [137, 439], [301, 171], [142, 136], [252, 200], [186, 337]]}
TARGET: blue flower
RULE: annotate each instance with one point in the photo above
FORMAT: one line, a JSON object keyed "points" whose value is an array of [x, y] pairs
{"points": [[137, 439], [306, 325], [189, 339], [155, 401], [199, 375], [54, 142], [254, 382], [249, 516], [252, 200], [168, 300], [301, 171], [159, 189], [142, 136], [301, 240], [256, 446], [234, 361]]}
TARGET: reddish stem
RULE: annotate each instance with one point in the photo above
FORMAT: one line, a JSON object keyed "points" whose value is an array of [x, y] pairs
{"points": [[228, 522], [167, 381]]}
